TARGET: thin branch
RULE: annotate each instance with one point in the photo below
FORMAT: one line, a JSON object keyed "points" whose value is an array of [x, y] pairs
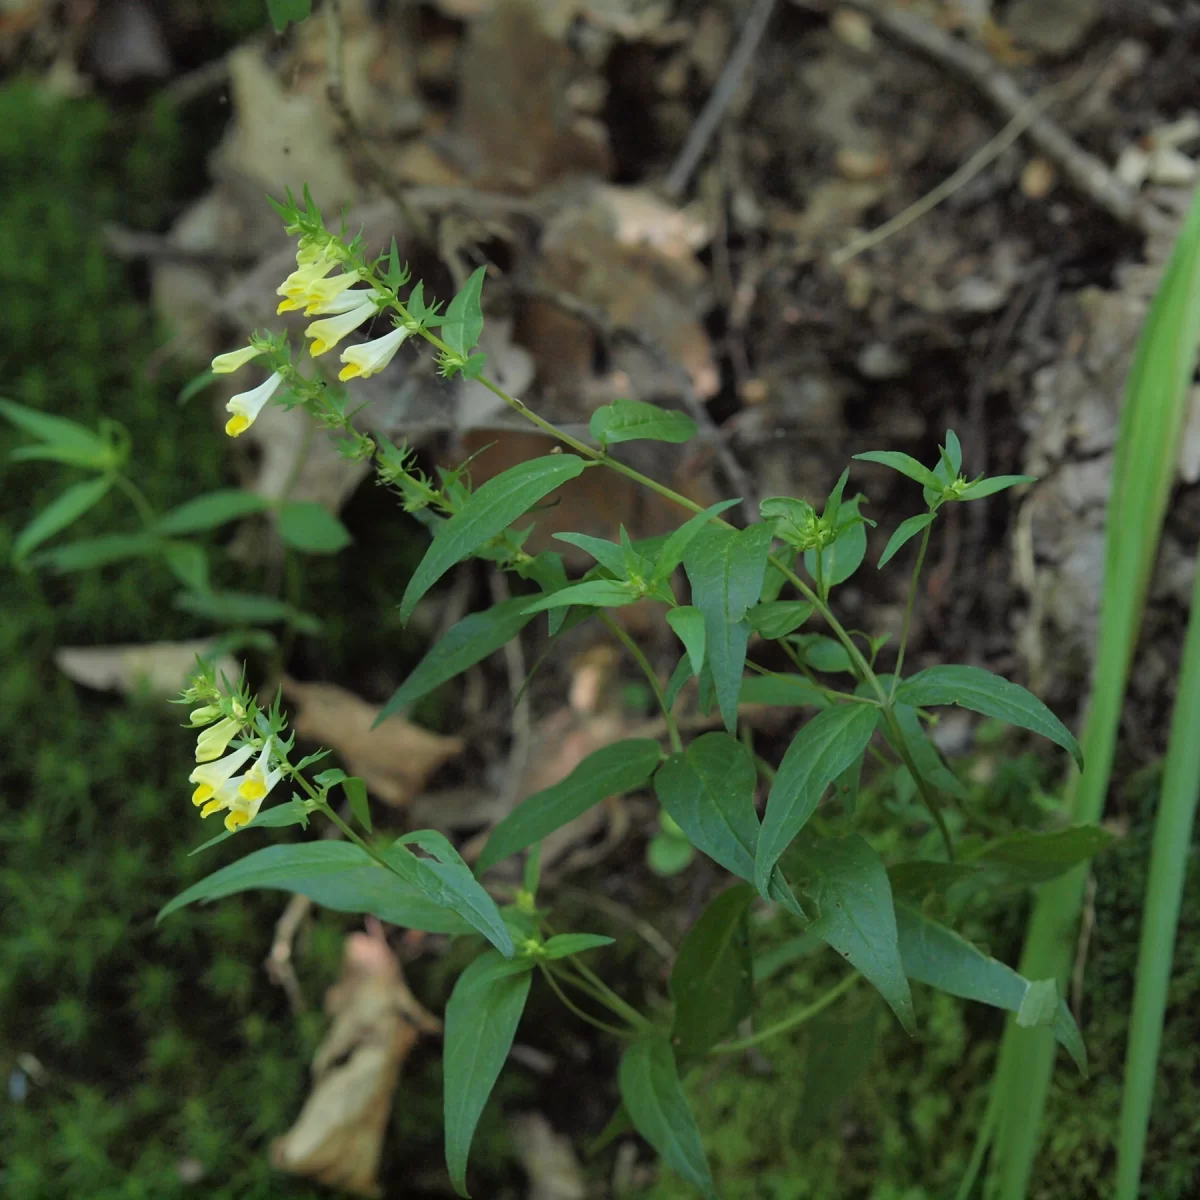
{"points": [[719, 99], [1082, 168]]}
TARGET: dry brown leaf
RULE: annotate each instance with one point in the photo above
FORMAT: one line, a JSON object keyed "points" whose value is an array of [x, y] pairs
{"points": [[549, 1161], [160, 667], [338, 1137], [394, 760]]}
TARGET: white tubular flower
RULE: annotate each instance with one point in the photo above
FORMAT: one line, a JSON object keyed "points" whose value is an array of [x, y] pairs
{"points": [[246, 406], [209, 777], [224, 363], [321, 291], [326, 334], [370, 358], [212, 742], [343, 303], [296, 285]]}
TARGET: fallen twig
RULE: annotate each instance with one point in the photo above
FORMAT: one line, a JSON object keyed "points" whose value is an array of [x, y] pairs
{"points": [[719, 99], [1083, 169]]}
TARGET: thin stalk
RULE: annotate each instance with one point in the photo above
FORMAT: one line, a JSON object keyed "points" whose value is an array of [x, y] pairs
{"points": [[1160, 914], [603, 1026], [137, 498], [908, 609], [651, 678], [797, 1018], [611, 999]]}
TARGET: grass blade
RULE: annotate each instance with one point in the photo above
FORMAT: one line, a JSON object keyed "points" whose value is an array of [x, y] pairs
{"points": [[1143, 471]]}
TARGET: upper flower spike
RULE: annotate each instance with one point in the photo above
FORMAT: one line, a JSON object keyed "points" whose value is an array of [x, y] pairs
{"points": [[246, 406]]}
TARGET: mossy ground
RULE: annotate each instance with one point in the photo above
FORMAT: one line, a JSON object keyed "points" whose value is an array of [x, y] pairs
{"points": [[162, 1051]]}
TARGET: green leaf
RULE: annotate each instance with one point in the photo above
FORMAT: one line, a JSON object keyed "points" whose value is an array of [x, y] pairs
{"points": [[823, 653], [96, 552], [635, 420], [548, 572], [848, 882], [608, 554], [954, 451], [210, 512], [482, 1015], [294, 812], [594, 593], [356, 794], [67, 441], [463, 322], [905, 464], [311, 528], [245, 606], [712, 981], [905, 531], [487, 512], [923, 752], [983, 692], [1036, 856], [283, 11], [937, 956], [188, 563], [462, 646], [654, 1098], [676, 545], [667, 855], [842, 557], [335, 875], [790, 691], [998, 483], [921, 877], [688, 624], [819, 753], [777, 618], [563, 945], [65, 510], [708, 791], [680, 676], [609, 771], [448, 881], [725, 568]]}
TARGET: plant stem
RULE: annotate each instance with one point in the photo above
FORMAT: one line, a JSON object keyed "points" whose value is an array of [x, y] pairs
{"points": [[908, 609], [627, 1011], [651, 678], [797, 1018], [573, 1007], [137, 497]]}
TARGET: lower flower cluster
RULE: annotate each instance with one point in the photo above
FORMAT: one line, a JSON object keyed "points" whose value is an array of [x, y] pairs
{"points": [[220, 782]]}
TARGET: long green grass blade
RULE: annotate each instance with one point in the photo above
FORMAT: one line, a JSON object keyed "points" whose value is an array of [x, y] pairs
{"points": [[1160, 914], [1143, 470]]}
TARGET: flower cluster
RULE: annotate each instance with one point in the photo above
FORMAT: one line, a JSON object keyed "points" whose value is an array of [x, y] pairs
{"points": [[221, 783]]}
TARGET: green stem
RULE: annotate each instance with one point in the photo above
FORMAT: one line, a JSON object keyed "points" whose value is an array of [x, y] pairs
{"points": [[573, 1007], [610, 998], [908, 609], [651, 678], [137, 497], [797, 1018], [927, 797]]}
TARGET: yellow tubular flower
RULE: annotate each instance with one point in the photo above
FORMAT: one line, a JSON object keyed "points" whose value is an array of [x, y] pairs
{"points": [[212, 742], [321, 291], [370, 358], [230, 361], [245, 407], [343, 303], [209, 777], [326, 334], [302, 278], [253, 789]]}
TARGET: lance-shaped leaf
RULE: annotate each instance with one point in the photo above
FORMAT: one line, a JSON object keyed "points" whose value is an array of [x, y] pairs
{"points": [[1034, 856], [983, 692], [905, 464], [725, 568], [210, 512], [487, 512], [635, 420], [849, 883], [712, 981], [819, 753], [465, 644], [937, 956], [63, 440], [904, 532], [688, 624], [97, 552], [481, 1021], [64, 510], [335, 875], [997, 483], [654, 1099], [777, 618], [676, 544], [563, 945], [463, 322], [311, 528], [609, 771], [593, 593]]}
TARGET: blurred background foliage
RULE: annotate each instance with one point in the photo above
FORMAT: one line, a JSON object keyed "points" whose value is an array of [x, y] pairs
{"points": [[159, 1062]]}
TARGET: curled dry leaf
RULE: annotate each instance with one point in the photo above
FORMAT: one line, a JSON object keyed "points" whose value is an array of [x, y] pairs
{"points": [[338, 1137], [161, 668], [394, 760]]}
